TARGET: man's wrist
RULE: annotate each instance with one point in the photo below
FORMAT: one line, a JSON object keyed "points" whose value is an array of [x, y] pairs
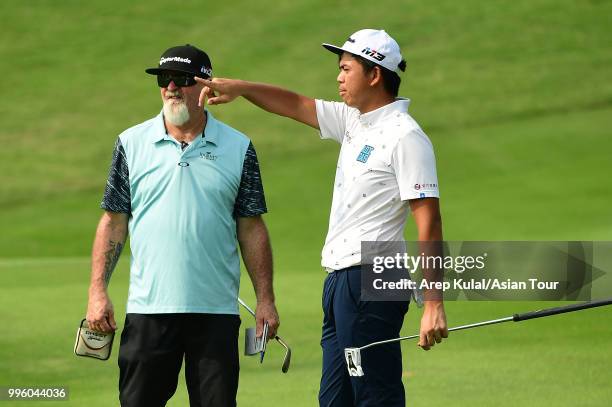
{"points": [[241, 87], [98, 287], [433, 304], [265, 299]]}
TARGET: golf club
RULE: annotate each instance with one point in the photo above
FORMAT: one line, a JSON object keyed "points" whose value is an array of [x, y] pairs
{"points": [[353, 355], [287, 358]]}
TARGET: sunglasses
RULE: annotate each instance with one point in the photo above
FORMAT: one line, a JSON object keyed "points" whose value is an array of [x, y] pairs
{"points": [[180, 80]]}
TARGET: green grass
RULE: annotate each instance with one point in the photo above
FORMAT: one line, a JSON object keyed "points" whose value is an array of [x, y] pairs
{"points": [[560, 361], [516, 96]]}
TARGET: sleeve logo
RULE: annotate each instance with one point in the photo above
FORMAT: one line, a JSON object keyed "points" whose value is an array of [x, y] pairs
{"points": [[426, 187]]}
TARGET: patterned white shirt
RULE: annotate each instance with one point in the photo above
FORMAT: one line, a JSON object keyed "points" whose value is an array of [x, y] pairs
{"points": [[385, 160]]}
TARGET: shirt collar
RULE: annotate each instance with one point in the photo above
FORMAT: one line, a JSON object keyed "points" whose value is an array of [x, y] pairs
{"points": [[375, 116], [211, 130], [159, 133]]}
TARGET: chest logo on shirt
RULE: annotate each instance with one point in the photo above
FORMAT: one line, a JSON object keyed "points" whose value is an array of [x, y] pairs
{"points": [[208, 156], [365, 153]]}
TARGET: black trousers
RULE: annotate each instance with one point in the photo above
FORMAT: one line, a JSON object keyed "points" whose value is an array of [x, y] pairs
{"points": [[152, 350]]}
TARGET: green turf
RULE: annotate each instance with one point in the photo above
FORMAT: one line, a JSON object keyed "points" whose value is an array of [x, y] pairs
{"points": [[516, 96], [560, 361]]}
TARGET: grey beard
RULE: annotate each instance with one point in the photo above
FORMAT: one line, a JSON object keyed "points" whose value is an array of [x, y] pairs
{"points": [[176, 113]]}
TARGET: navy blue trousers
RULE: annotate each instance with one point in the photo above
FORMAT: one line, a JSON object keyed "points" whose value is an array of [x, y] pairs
{"points": [[350, 322]]}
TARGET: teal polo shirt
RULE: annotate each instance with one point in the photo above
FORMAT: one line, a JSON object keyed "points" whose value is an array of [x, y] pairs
{"points": [[183, 205]]}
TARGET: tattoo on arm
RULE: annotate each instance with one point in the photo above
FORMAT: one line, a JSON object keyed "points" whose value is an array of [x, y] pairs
{"points": [[111, 258]]}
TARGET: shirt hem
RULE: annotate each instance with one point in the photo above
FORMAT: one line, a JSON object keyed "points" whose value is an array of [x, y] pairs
{"points": [[418, 196], [110, 208], [181, 310]]}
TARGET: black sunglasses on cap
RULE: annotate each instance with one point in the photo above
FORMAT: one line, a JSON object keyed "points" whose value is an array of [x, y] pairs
{"points": [[180, 79]]}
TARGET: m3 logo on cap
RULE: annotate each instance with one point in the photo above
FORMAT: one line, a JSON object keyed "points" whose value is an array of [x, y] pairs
{"points": [[373, 53]]}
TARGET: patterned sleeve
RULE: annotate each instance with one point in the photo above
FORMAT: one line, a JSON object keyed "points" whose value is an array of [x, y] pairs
{"points": [[117, 196], [250, 200]]}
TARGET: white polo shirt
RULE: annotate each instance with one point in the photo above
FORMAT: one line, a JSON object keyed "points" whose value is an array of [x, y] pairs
{"points": [[385, 160]]}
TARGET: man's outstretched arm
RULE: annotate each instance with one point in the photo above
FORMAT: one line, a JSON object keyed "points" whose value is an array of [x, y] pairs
{"points": [[268, 97], [426, 213], [109, 241]]}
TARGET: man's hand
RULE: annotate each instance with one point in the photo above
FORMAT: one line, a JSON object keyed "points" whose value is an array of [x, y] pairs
{"points": [[218, 90], [268, 97], [100, 312], [266, 312], [433, 325]]}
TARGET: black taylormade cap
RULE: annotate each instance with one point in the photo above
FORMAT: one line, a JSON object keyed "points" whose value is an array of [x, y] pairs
{"points": [[184, 58]]}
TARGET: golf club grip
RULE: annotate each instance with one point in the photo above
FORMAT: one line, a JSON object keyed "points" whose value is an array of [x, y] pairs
{"points": [[560, 310]]}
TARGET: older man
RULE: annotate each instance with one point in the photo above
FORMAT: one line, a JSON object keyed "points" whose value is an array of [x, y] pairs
{"points": [[188, 189]]}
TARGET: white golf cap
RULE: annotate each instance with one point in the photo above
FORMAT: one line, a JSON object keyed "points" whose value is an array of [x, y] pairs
{"points": [[374, 45]]}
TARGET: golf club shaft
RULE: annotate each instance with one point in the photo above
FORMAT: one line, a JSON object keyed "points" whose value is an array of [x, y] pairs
{"points": [[560, 310], [457, 328], [246, 306], [516, 318]]}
